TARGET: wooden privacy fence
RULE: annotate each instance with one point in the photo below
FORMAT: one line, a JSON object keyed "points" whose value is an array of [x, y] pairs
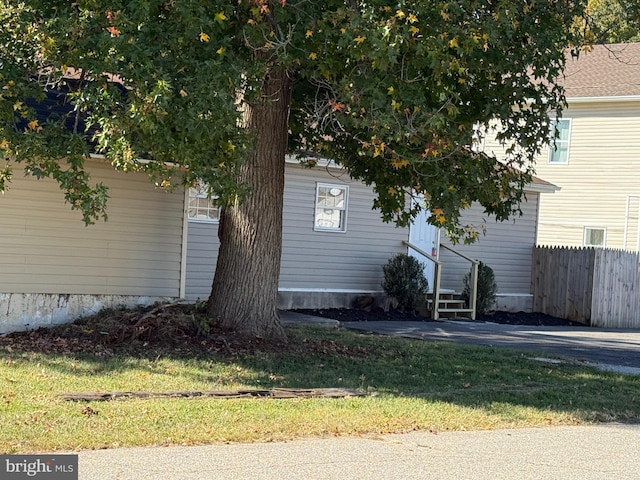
{"points": [[595, 286]]}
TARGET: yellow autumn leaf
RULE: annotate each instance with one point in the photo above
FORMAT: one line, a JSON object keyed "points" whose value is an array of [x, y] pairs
{"points": [[204, 37], [453, 43], [313, 55], [309, 33], [4, 144], [33, 125], [399, 163], [395, 105], [17, 106], [360, 39], [414, 30], [392, 191], [412, 18], [220, 51], [391, 90], [445, 15], [183, 92], [220, 16], [400, 14]]}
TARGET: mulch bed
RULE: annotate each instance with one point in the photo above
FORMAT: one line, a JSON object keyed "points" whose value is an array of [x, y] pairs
{"points": [[376, 315]]}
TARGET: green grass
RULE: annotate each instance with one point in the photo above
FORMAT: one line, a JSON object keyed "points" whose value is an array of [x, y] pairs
{"points": [[411, 385]]}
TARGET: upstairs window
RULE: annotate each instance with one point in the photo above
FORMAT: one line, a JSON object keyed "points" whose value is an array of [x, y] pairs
{"points": [[331, 208], [595, 237], [559, 151], [202, 208]]}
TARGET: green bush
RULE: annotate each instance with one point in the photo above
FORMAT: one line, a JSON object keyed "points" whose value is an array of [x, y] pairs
{"points": [[404, 280], [487, 289]]}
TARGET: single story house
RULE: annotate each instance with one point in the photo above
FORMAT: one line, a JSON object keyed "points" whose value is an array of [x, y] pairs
{"points": [[158, 245]]}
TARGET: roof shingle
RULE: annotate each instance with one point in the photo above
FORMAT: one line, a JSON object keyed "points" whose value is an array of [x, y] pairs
{"points": [[606, 71]]}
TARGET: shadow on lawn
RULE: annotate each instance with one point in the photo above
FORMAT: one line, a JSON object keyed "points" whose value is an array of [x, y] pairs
{"points": [[485, 378]]}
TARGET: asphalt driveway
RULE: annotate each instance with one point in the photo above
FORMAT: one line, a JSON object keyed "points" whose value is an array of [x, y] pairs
{"points": [[619, 348]]}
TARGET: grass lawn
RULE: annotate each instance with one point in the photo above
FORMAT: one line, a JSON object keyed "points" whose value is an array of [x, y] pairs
{"points": [[411, 385]]}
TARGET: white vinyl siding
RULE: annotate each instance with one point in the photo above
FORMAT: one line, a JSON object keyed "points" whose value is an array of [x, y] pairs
{"points": [[46, 248], [311, 259], [506, 248]]}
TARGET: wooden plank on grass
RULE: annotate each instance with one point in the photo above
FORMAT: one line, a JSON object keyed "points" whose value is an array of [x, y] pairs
{"points": [[275, 393]]}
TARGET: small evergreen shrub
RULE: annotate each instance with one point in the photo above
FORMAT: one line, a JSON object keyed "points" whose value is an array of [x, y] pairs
{"points": [[487, 289], [404, 280]]}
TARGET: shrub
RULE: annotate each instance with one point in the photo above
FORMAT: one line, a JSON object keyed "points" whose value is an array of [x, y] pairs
{"points": [[487, 288], [404, 280]]}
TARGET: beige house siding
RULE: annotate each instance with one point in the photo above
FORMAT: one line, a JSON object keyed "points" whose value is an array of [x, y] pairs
{"points": [[46, 248], [603, 169], [506, 248], [312, 261]]}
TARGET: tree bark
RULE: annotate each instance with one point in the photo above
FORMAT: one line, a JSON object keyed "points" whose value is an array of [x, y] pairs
{"points": [[244, 294]]}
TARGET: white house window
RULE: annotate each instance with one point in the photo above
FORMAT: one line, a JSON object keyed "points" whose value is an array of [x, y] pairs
{"points": [[595, 237], [559, 152], [202, 208], [331, 208]]}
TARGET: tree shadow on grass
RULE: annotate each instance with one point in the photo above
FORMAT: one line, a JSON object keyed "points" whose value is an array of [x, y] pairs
{"points": [[485, 378]]}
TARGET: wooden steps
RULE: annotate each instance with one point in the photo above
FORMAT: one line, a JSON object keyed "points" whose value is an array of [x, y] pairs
{"points": [[450, 305]]}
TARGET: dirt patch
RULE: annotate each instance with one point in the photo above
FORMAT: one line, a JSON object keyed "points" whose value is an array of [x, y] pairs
{"points": [[376, 315]]}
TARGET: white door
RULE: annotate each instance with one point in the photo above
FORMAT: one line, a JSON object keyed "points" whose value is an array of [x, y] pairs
{"points": [[426, 237]]}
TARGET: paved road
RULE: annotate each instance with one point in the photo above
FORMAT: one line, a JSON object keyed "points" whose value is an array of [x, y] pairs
{"points": [[615, 347], [560, 453]]}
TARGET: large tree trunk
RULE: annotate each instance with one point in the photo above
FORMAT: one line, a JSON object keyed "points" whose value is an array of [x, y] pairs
{"points": [[244, 295]]}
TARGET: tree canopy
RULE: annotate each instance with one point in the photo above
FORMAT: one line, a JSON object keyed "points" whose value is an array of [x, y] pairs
{"points": [[393, 91], [614, 21], [398, 93]]}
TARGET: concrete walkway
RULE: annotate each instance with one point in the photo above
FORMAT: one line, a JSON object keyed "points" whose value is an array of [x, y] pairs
{"points": [[560, 453]]}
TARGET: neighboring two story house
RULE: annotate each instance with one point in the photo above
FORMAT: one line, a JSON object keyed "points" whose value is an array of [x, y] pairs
{"points": [[596, 159]]}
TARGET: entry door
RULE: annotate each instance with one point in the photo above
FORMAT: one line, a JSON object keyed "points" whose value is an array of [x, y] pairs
{"points": [[426, 237]]}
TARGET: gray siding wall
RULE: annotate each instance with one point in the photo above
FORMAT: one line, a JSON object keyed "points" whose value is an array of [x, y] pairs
{"points": [[202, 255], [45, 247], [311, 260], [506, 248]]}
